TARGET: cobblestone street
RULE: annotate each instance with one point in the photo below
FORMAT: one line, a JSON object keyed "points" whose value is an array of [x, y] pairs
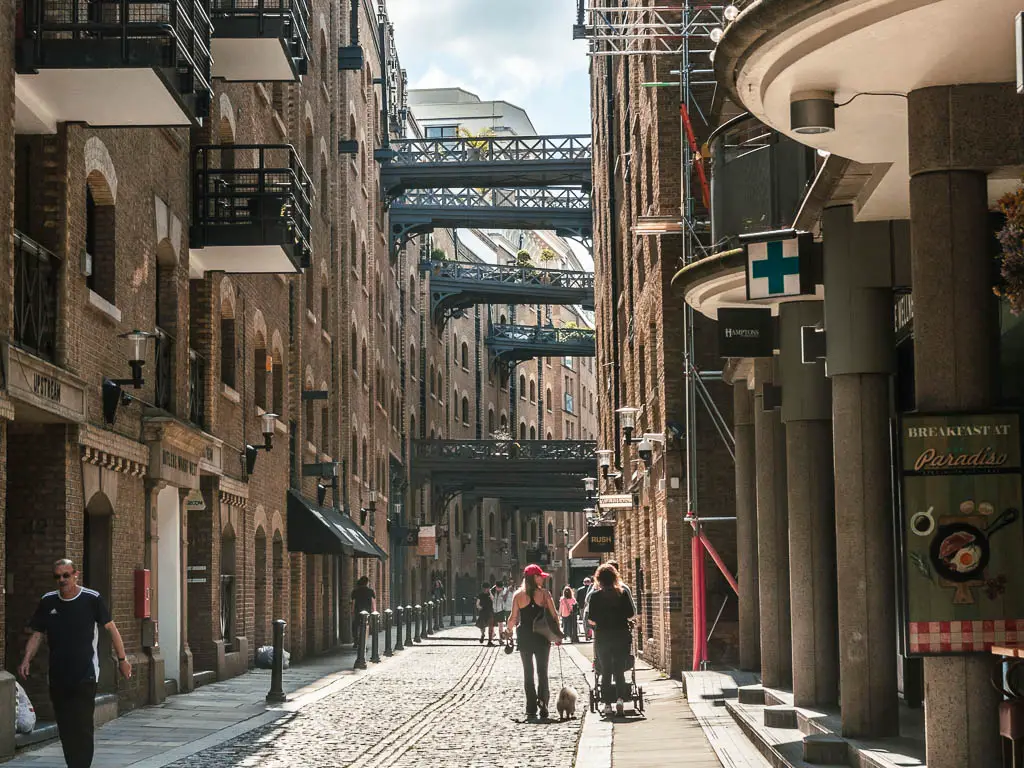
{"points": [[449, 702]]}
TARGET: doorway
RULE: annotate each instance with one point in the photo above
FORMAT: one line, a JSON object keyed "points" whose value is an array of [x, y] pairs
{"points": [[168, 578], [97, 564]]}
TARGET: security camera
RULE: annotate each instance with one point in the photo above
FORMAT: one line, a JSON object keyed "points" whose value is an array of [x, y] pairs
{"points": [[646, 450]]}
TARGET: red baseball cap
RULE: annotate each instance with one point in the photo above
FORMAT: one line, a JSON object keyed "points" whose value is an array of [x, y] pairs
{"points": [[535, 570]]}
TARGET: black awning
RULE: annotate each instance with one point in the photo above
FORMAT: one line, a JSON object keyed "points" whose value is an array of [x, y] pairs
{"points": [[325, 531]]}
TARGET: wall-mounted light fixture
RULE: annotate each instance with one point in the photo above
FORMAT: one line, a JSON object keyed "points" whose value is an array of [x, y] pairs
{"points": [[812, 112], [113, 392], [590, 484], [371, 507], [604, 461], [627, 421], [267, 422], [328, 472]]}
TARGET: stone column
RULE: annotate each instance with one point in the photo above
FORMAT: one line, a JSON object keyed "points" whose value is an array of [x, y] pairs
{"points": [[806, 413], [860, 361], [956, 348], [772, 534], [746, 526]]}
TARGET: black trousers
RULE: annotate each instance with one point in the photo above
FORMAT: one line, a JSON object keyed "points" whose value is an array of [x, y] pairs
{"points": [[73, 706], [612, 647], [536, 692]]}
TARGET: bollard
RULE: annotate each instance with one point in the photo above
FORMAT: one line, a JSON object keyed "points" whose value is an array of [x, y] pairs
{"points": [[388, 615], [439, 615], [375, 637], [428, 619], [276, 693], [463, 601], [417, 613], [408, 626], [451, 607], [361, 641], [399, 625]]}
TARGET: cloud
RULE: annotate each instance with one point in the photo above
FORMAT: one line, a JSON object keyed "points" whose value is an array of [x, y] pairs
{"points": [[520, 51]]}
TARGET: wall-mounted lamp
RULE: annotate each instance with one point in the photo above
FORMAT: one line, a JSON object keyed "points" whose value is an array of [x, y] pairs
{"points": [[113, 392], [365, 511], [604, 461], [328, 479], [812, 112], [267, 421], [590, 484], [627, 421]]}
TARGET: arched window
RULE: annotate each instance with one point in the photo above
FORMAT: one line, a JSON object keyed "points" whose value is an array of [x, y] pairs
{"points": [[533, 433], [325, 299], [260, 373], [504, 422], [547, 399], [365, 475], [412, 291], [465, 410], [278, 384], [456, 519], [353, 248], [433, 384], [354, 455], [551, 535], [365, 259], [354, 345], [522, 387], [414, 370], [490, 526], [310, 278], [99, 237], [533, 531], [465, 356], [522, 430], [412, 427], [533, 391], [227, 344], [490, 421], [366, 367], [549, 436]]}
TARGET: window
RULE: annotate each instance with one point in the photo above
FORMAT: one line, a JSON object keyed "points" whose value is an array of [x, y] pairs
{"points": [[354, 455], [504, 422], [533, 391], [99, 237], [354, 345], [366, 367], [490, 421], [325, 431], [278, 385], [325, 302], [260, 365], [227, 350], [533, 433], [465, 356], [522, 430], [547, 399], [569, 402], [522, 387], [413, 368], [465, 411], [551, 535], [365, 474], [567, 362], [442, 131], [549, 436], [309, 421], [310, 290], [433, 386]]}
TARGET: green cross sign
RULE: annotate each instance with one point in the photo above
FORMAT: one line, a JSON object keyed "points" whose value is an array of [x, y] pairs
{"points": [[776, 267]]}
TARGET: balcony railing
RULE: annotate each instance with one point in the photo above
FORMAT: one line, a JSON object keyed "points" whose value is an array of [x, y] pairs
{"points": [[260, 39], [483, 199], [512, 450], [36, 292], [164, 373], [508, 274], [196, 388], [255, 219], [536, 334], [169, 36], [491, 149]]}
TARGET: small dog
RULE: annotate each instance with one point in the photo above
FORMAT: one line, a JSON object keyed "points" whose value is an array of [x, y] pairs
{"points": [[566, 703]]}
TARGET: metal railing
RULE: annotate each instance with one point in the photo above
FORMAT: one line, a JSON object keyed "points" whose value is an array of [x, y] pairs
{"points": [[512, 450], [536, 334], [196, 388], [36, 297], [292, 16], [556, 199], [272, 195], [492, 149], [164, 373], [170, 34], [509, 274]]}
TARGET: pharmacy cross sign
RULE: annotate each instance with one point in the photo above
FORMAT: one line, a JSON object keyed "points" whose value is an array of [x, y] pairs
{"points": [[774, 269]]}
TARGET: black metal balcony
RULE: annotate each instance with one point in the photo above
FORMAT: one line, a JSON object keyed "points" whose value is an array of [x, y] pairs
{"points": [[512, 343], [489, 161], [250, 219], [196, 388], [458, 285], [566, 211], [260, 40], [112, 63], [36, 292], [758, 181]]}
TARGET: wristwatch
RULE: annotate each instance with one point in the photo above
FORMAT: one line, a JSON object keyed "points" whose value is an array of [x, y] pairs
{"points": [[122, 659]]}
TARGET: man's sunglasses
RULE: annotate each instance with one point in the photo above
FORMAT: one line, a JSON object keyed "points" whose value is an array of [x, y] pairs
{"points": [[62, 576]]}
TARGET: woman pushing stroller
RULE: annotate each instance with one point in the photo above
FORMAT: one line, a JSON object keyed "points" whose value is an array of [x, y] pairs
{"points": [[610, 610]]}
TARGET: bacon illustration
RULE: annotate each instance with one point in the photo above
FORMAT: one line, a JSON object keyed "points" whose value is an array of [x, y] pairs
{"points": [[954, 543]]}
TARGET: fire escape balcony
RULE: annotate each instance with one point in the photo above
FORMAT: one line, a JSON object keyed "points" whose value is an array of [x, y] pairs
{"points": [[514, 343], [487, 161], [111, 63], [250, 219], [36, 292], [260, 40], [457, 285]]}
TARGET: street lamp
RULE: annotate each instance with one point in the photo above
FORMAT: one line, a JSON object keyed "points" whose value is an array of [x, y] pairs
{"points": [[328, 479], [627, 421], [590, 484], [604, 461], [113, 393], [365, 511], [267, 423]]}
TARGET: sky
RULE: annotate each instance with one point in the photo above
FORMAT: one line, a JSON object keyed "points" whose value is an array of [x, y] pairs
{"points": [[520, 51]]}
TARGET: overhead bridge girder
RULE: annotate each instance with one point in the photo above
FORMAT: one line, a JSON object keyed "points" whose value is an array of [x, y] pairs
{"points": [[565, 211], [540, 498], [458, 285], [513, 343], [498, 462], [487, 161]]}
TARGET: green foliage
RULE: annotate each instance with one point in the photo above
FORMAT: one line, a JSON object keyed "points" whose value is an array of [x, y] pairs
{"points": [[439, 254], [524, 259], [548, 255], [1011, 238]]}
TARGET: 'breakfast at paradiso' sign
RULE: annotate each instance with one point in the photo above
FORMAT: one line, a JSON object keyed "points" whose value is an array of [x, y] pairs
{"points": [[962, 532]]}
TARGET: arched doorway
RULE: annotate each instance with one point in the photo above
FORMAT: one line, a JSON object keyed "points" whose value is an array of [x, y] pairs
{"points": [[227, 588], [261, 629], [97, 573]]}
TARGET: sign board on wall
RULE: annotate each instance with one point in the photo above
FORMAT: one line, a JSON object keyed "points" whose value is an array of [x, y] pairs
{"points": [[961, 532], [616, 501], [780, 268], [427, 545], [601, 538], [745, 332]]}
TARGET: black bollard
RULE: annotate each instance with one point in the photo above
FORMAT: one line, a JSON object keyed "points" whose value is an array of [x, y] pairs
{"points": [[439, 615], [361, 641], [417, 612], [463, 601], [451, 607], [428, 619], [408, 625], [388, 616], [276, 693], [375, 637], [399, 627]]}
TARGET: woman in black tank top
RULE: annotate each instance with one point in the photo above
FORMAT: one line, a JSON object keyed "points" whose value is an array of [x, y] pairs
{"points": [[528, 604]]}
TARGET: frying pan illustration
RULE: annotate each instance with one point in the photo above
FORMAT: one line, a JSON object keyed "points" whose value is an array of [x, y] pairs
{"points": [[961, 551]]}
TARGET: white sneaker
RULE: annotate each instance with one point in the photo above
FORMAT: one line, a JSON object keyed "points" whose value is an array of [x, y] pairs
{"points": [[619, 707], [607, 710]]}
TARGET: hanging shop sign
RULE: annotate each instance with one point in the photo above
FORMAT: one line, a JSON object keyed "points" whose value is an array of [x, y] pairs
{"points": [[961, 532], [780, 268], [601, 538], [616, 501], [194, 501], [745, 332], [427, 541]]}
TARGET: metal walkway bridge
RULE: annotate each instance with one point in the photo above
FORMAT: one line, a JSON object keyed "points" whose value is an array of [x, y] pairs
{"points": [[457, 285], [486, 161], [566, 211], [513, 343]]}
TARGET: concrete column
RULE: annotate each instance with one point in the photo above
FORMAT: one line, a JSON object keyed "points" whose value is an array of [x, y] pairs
{"points": [[746, 526], [955, 355], [772, 534], [860, 356], [806, 413]]}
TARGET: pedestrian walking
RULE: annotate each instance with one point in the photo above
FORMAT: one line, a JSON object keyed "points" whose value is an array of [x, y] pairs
{"points": [[528, 604], [485, 614], [69, 617], [363, 599], [611, 609], [502, 597], [567, 610]]}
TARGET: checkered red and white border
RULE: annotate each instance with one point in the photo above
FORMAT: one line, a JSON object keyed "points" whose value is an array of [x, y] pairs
{"points": [[964, 636]]}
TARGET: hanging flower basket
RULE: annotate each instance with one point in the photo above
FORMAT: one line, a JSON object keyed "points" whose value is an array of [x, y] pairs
{"points": [[1011, 258]]}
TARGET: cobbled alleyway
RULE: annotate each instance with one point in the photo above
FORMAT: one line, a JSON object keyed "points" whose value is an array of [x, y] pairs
{"points": [[448, 702]]}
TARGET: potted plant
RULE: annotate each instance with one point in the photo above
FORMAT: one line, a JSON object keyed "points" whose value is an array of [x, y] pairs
{"points": [[547, 256], [523, 258], [438, 255], [1011, 257]]}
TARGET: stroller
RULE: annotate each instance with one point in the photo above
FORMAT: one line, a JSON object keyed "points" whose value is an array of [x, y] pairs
{"points": [[636, 692]]}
